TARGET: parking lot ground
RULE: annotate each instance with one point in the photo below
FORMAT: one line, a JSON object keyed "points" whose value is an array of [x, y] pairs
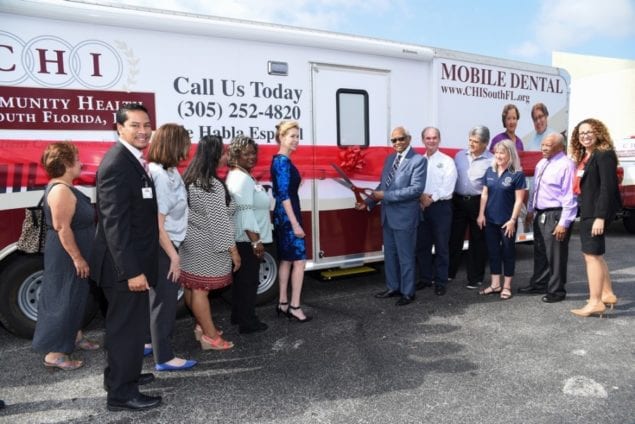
{"points": [[459, 358]]}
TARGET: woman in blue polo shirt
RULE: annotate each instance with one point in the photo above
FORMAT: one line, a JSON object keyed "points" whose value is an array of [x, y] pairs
{"points": [[501, 202]]}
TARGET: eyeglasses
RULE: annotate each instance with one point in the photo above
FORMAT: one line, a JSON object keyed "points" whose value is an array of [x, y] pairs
{"points": [[396, 139], [586, 133]]}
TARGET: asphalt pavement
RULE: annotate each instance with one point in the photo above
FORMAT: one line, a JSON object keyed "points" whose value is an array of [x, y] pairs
{"points": [[459, 358]]}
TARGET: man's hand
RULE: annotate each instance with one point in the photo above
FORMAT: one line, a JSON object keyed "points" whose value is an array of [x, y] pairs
{"points": [[559, 232], [425, 200], [377, 195], [138, 283], [529, 219]]}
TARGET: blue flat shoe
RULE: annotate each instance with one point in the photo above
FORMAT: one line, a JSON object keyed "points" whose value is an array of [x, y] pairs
{"points": [[147, 351], [167, 367]]}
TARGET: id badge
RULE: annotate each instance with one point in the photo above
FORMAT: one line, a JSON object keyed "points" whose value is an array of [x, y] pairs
{"points": [[543, 218], [580, 173], [146, 192]]}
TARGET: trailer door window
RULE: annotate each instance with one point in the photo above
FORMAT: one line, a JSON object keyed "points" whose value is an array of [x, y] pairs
{"points": [[352, 117]]}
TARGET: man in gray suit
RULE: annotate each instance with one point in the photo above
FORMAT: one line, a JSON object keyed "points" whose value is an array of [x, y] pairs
{"points": [[402, 182]]}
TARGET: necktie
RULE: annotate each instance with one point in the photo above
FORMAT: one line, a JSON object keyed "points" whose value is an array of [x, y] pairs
{"points": [[144, 163], [393, 170]]}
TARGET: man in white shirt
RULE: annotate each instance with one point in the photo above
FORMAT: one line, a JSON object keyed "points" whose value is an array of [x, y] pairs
{"points": [[436, 203]]}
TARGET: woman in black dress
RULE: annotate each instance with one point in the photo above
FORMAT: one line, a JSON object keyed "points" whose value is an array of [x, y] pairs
{"points": [[595, 183], [287, 220], [70, 219]]}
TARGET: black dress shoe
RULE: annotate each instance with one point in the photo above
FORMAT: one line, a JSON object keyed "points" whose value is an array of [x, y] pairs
{"points": [[422, 285], [439, 290], [387, 293], [144, 378], [531, 290], [552, 298], [405, 300], [2, 404], [138, 403], [254, 327]]}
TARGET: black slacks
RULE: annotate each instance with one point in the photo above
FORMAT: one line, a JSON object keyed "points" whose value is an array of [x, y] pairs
{"points": [[245, 286], [550, 255], [127, 323], [464, 215]]}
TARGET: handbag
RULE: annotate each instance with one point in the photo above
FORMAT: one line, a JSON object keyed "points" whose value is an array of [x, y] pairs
{"points": [[33, 230]]}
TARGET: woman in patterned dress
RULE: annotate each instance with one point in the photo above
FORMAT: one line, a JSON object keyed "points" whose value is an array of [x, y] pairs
{"points": [[287, 221], [209, 249]]}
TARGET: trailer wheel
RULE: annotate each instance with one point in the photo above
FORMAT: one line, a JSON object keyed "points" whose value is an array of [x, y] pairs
{"points": [[268, 276], [629, 220], [20, 284]]}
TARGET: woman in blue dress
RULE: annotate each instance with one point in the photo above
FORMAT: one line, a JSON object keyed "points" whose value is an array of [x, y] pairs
{"points": [[501, 202], [287, 222]]}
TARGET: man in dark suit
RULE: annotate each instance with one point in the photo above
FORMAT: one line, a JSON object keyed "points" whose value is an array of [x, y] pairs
{"points": [[124, 257], [402, 182]]}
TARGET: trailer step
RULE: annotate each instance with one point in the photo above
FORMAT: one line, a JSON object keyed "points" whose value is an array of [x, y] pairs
{"points": [[329, 274]]}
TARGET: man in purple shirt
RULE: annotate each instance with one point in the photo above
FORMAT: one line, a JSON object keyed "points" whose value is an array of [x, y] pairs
{"points": [[552, 207]]}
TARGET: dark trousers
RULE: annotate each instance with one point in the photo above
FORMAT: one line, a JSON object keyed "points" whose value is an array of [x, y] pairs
{"points": [[163, 299], [127, 323], [550, 255], [464, 214], [501, 250], [434, 230], [245, 286]]}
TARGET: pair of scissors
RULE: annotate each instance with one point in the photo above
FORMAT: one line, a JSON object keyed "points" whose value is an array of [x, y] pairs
{"points": [[346, 182]]}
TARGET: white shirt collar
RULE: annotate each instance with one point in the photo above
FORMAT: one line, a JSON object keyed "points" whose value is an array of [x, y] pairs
{"points": [[135, 152]]}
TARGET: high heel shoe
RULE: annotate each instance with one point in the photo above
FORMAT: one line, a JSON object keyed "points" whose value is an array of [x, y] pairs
{"points": [[610, 300], [198, 332], [279, 309], [292, 316], [218, 343], [587, 311]]}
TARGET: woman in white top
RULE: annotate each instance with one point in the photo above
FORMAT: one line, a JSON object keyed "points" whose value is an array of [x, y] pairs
{"points": [[170, 145], [252, 225]]}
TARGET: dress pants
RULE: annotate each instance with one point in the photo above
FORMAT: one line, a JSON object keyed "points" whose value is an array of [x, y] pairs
{"points": [[163, 300], [245, 286], [434, 230], [399, 259], [127, 323], [550, 255], [464, 214]]}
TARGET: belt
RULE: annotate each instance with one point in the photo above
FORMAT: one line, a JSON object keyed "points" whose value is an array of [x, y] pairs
{"points": [[547, 210], [466, 197]]}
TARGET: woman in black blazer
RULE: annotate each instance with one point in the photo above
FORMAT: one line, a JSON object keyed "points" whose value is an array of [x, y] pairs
{"points": [[595, 183]]}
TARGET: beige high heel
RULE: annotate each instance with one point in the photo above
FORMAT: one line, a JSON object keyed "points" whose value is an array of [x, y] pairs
{"points": [[587, 311], [610, 300]]}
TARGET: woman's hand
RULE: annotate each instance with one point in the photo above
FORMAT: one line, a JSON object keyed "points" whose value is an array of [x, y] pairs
{"points": [[510, 228], [174, 272], [598, 227], [235, 258], [480, 221], [81, 266], [297, 230], [259, 250]]}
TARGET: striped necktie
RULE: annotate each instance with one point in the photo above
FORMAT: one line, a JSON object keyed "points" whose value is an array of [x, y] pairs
{"points": [[393, 170]]}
